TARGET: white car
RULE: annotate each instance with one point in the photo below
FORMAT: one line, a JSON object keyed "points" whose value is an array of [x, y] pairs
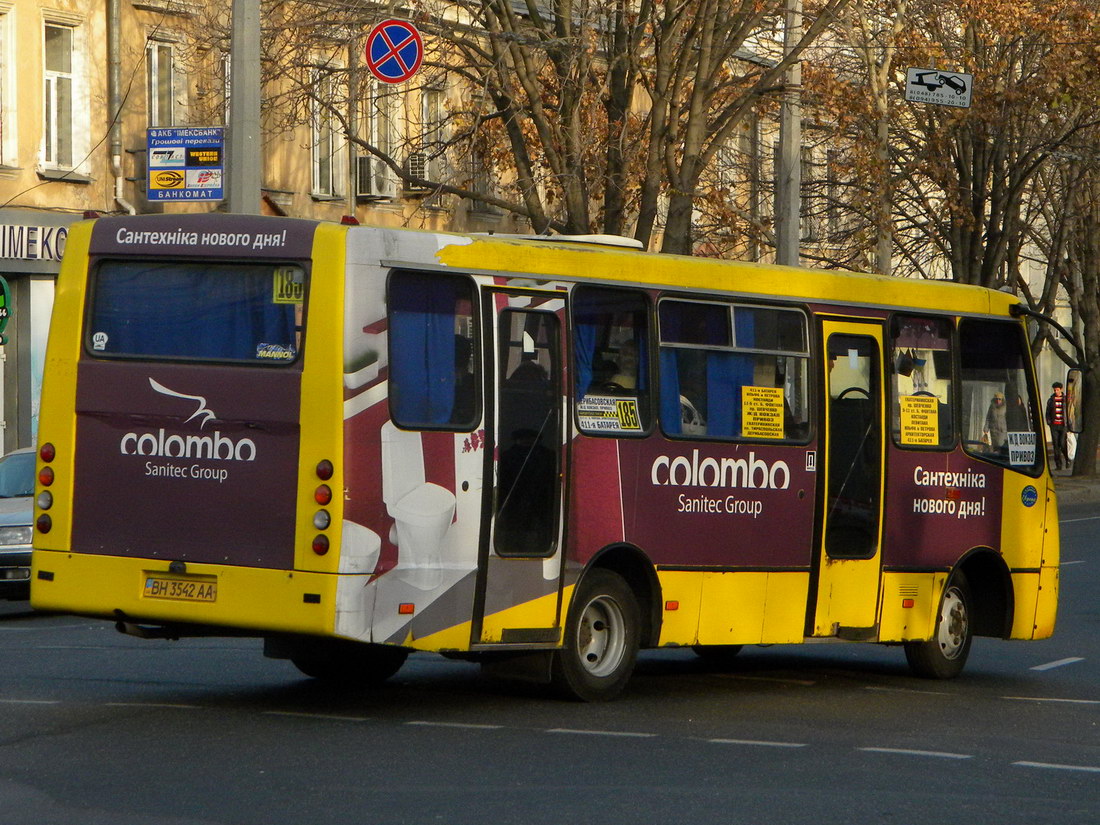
{"points": [[16, 517]]}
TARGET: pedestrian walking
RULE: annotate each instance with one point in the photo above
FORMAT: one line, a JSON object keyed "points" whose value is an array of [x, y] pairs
{"points": [[1056, 420]]}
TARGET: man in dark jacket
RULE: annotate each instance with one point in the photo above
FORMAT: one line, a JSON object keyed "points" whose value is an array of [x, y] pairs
{"points": [[1056, 420]]}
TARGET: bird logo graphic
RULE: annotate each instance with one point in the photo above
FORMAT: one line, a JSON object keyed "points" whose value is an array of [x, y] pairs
{"points": [[202, 412]]}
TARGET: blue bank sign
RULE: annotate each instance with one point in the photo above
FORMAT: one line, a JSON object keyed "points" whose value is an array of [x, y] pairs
{"points": [[186, 164]]}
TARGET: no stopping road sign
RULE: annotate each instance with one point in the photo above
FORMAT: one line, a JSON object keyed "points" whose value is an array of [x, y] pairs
{"points": [[394, 51]]}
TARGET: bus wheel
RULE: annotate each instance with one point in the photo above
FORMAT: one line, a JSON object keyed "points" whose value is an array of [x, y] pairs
{"points": [[944, 656], [601, 639], [350, 663]]}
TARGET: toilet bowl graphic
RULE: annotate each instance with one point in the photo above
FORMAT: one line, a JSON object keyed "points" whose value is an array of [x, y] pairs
{"points": [[422, 510], [359, 548]]}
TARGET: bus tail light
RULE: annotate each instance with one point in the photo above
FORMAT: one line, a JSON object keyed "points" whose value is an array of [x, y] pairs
{"points": [[44, 523], [47, 452], [323, 495], [45, 476], [325, 470], [320, 545]]}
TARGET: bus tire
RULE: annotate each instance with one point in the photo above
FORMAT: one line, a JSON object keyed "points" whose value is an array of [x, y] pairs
{"points": [[944, 655], [601, 642], [348, 663]]}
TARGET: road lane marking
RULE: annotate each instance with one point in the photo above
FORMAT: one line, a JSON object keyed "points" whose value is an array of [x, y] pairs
{"points": [[40, 628], [622, 733], [1052, 766], [1047, 699], [1083, 518], [778, 679], [1068, 563], [177, 705], [1059, 663], [906, 690], [757, 742], [911, 752], [31, 701], [461, 725], [330, 717]]}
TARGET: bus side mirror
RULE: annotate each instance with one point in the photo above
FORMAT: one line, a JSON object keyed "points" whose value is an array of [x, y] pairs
{"points": [[1074, 397]]}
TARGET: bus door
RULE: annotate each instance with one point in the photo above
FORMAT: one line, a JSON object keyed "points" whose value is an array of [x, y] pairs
{"points": [[849, 559], [520, 553]]}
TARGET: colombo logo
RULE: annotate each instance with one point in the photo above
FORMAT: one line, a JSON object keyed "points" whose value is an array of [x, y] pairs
{"points": [[751, 472], [212, 446]]}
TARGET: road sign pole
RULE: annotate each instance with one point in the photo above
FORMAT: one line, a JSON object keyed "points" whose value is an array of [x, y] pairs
{"points": [[788, 201], [244, 155]]}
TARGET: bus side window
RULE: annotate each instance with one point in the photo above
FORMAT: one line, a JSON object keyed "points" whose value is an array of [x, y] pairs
{"points": [[994, 368], [733, 371], [611, 380], [923, 373], [433, 353]]}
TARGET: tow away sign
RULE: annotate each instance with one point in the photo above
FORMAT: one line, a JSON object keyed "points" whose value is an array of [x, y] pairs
{"points": [[941, 88]]}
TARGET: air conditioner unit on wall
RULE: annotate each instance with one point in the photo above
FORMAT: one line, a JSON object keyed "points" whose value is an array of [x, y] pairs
{"points": [[374, 180], [416, 165]]}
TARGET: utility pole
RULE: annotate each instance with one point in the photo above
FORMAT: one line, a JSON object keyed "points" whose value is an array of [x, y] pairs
{"points": [[788, 178], [245, 152]]}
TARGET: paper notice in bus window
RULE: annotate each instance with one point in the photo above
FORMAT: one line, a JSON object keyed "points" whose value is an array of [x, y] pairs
{"points": [[609, 414], [762, 412], [1021, 449], [920, 420]]}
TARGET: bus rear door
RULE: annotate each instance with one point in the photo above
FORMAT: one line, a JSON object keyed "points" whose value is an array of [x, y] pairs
{"points": [[849, 560], [520, 555]]}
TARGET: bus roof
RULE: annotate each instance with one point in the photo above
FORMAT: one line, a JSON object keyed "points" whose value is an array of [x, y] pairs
{"points": [[552, 260]]}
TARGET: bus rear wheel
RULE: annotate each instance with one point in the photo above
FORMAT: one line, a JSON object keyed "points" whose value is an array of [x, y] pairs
{"points": [[601, 639], [349, 663], [944, 656]]}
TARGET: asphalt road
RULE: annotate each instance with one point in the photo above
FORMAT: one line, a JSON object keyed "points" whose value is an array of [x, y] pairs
{"points": [[101, 729]]}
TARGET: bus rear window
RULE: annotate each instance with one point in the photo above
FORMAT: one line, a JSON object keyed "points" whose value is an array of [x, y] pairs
{"points": [[202, 311]]}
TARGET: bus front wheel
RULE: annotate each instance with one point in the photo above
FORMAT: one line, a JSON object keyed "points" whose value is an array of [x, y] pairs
{"points": [[349, 663], [944, 656], [601, 639]]}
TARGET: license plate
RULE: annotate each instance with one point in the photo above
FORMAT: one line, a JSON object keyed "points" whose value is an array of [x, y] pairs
{"points": [[183, 590]]}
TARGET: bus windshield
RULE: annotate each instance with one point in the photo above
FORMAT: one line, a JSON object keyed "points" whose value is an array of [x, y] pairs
{"points": [[240, 312]]}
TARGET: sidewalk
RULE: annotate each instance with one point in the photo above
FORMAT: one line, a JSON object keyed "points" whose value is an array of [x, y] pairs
{"points": [[1076, 490]]}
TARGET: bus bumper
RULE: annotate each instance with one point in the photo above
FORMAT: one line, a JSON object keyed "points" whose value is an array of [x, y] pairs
{"points": [[253, 601]]}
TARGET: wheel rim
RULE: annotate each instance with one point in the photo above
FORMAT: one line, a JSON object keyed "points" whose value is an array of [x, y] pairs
{"points": [[601, 636], [954, 624]]}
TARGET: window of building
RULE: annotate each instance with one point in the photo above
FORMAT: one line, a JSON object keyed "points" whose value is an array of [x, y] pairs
{"points": [[995, 375], [7, 93], [58, 101], [611, 361], [923, 372], [433, 351], [328, 170], [159, 75], [733, 371], [374, 179]]}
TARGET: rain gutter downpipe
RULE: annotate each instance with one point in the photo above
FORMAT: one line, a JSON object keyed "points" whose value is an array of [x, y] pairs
{"points": [[114, 96]]}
